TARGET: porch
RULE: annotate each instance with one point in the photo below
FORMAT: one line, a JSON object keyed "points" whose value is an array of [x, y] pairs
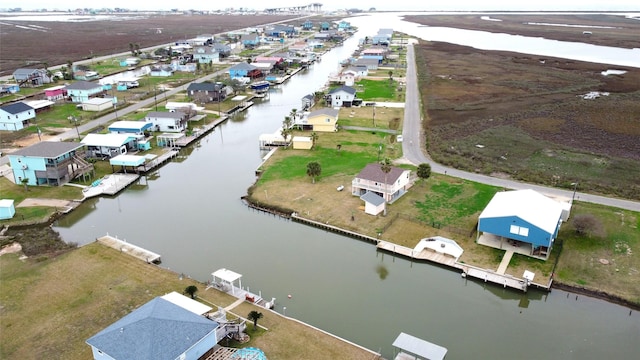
{"points": [[517, 247]]}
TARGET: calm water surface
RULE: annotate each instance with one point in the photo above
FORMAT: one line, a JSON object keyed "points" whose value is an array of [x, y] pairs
{"points": [[190, 212]]}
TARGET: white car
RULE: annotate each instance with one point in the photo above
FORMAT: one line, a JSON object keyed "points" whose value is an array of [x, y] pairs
{"points": [[399, 138]]}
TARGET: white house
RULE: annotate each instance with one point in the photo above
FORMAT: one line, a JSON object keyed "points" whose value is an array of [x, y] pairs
{"points": [[342, 96], [15, 116], [390, 186], [110, 145], [167, 121]]}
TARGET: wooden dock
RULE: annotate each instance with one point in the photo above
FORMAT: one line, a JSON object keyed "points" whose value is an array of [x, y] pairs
{"points": [[156, 162], [133, 250], [491, 276], [425, 254], [187, 140], [110, 185]]}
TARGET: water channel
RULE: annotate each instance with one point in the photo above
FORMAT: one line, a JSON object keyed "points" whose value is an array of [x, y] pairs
{"points": [[190, 212]]}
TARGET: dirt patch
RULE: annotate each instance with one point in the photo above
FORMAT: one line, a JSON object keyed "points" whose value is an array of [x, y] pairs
{"points": [[12, 248], [45, 202]]}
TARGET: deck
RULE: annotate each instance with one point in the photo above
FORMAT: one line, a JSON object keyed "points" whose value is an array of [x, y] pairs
{"points": [[109, 185], [131, 249], [425, 254], [157, 161], [187, 140]]}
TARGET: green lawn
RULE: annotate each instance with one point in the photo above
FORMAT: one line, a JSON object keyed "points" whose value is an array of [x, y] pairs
{"points": [[377, 89]]}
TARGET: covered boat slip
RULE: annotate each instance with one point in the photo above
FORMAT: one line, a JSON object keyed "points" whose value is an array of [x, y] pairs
{"points": [[413, 348]]}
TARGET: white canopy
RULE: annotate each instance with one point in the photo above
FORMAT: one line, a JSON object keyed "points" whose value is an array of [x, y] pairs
{"points": [[227, 277], [419, 347]]}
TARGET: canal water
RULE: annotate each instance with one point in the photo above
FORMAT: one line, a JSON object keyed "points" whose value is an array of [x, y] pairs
{"points": [[190, 212]]}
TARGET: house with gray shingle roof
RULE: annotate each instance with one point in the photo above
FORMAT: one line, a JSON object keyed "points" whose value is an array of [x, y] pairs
{"points": [[157, 330], [206, 92], [16, 116], [48, 163], [390, 186], [31, 77], [341, 96], [206, 55], [81, 91]]}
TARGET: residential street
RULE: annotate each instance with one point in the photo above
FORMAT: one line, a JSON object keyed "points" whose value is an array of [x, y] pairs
{"points": [[414, 151]]}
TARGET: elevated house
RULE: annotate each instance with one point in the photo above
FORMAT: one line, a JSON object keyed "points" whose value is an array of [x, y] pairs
{"points": [[49, 163], [357, 71], [280, 30], [341, 97], [524, 220], [325, 26], [322, 120], [344, 26], [389, 186], [383, 37], [167, 121], [157, 330], [307, 25], [244, 69], [56, 93], [110, 145], [308, 101], [370, 64], [206, 92], [223, 50], [81, 91], [205, 55], [31, 77], [130, 127], [9, 88], [16, 116]]}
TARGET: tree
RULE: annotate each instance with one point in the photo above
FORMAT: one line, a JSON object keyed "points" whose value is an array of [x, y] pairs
{"points": [[314, 170], [390, 76], [191, 290], [314, 138], [385, 167], [254, 316], [25, 182], [587, 225], [132, 49], [137, 49], [424, 171], [294, 113]]}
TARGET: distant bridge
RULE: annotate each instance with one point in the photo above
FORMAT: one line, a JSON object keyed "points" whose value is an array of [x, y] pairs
{"points": [[310, 8]]}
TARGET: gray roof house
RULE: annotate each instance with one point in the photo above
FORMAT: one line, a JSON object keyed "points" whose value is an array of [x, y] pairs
{"points": [[389, 186], [341, 96], [16, 116], [32, 77], [157, 330]]}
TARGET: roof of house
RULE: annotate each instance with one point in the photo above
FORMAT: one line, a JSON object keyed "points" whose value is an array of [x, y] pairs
{"points": [[130, 125], [205, 86], [372, 198], [25, 71], [83, 85], [107, 140], [48, 149], [366, 61], [157, 330], [528, 205], [242, 66], [309, 96], [324, 111], [347, 89], [16, 108], [97, 101], [166, 114], [187, 303], [373, 172]]}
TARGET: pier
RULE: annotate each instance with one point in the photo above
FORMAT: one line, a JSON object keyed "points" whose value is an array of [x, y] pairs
{"points": [[187, 140], [131, 249], [109, 185], [157, 161]]}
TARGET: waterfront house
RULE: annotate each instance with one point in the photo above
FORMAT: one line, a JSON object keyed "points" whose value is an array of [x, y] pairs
{"points": [[325, 26], [370, 64], [167, 121], [321, 120], [31, 77], [523, 220], [390, 186], [110, 145], [129, 127], [357, 71], [81, 91], [7, 209], [157, 330], [280, 30], [341, 96], [383, 37], [307, 25], [308, 101], [16, 116], [9, 88], [161, 70], [86, 75], [205, 55], [206, 92], [244, 69], [49, 163], [344, 26], [56, 93], [223, 50]]}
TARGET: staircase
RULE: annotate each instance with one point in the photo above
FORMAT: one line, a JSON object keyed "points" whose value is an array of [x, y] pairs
{"points": [[80, 167]]}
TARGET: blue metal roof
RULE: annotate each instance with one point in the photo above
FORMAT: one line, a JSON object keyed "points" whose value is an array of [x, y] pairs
{"points": [[157, 330], [16, 108]]}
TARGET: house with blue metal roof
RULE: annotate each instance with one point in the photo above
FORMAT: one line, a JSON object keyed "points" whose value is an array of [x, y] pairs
{"points": [[130, 127], [16, 116], [157, 330], [522, 219]]}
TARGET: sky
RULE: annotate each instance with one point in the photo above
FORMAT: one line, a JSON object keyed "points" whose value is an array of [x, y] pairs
{"points": [[328, 5]]}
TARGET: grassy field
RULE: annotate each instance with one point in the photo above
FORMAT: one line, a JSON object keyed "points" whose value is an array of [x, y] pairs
{"points": [[50, 313]]}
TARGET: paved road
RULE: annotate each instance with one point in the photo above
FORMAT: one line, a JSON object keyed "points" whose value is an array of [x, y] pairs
{"points": [[413, 149]]}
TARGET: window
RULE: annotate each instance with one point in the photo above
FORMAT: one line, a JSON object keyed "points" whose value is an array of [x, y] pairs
{"points": [[519, 230]]}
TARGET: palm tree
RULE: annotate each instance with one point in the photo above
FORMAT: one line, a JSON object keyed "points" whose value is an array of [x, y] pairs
{"points": [[137, 48], [385, 167], [294, 113], [25, 182], [254, 316], [390, 76], [314, 170], [314, 138], [132, 48], [191, 290]]}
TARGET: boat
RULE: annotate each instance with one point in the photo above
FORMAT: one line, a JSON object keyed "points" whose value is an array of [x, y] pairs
{"points": [[260, 85]]}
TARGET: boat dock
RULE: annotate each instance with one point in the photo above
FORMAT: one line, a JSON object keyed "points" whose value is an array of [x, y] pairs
{"points": [[225, 280], [187, 140], [109, 185], [133, 250], [157, 161], [422, 254]]}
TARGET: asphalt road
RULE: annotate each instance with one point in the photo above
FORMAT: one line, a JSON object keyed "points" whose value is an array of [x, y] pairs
{"points": [[415, 153]]}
